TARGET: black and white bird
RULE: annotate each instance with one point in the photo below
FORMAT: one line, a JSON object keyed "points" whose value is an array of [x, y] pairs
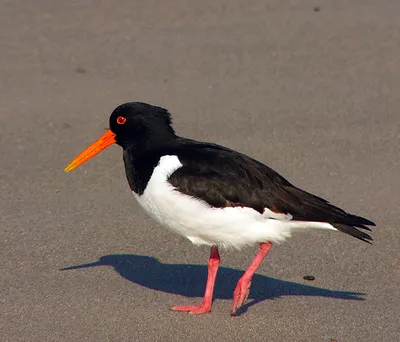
{"points": [[211, 194]]}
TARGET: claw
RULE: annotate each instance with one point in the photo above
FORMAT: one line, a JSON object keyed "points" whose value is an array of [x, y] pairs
{"points": [[240, 294], [206, 304], [193, 309], [243, 286]]}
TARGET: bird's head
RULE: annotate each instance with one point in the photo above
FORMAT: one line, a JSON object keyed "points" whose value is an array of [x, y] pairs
{"points": [[134, 125]]}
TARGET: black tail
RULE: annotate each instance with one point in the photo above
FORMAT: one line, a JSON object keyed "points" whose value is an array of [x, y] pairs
{"points": [[314, 208], [351, 226]]}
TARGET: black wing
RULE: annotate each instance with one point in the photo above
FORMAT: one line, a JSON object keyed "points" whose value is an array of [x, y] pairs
{"points": [[223, 177]]}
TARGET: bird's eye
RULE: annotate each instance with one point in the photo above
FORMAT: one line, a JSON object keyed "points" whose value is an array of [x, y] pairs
{"points": [[121, 120]]}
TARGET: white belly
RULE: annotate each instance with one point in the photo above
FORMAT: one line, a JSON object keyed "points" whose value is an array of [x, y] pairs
{"points": [[202, 224]]}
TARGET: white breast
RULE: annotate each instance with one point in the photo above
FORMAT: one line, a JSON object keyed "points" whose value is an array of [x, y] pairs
{"points": [[203, 224]]}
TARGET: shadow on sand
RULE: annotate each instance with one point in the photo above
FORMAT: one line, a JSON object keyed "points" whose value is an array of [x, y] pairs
{"points": [[189, 280]]}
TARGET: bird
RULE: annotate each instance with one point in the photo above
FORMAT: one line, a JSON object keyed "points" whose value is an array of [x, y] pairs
{"points": [[213, 195]]}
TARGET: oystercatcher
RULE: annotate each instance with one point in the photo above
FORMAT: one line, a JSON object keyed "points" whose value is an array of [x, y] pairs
{"points": [[211, 194]]}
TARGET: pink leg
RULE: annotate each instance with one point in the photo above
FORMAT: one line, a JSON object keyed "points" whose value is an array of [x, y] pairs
{"points": [[243, 286], [205, 305]]}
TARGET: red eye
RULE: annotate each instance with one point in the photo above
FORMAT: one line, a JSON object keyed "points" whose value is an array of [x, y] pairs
{"points": [[121, 120]]}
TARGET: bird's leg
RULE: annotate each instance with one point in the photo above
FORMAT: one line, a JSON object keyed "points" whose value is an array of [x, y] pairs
{"points": [[205, 305], [243, 286]]}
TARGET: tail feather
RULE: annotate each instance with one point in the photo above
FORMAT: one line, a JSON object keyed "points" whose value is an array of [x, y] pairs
{"points": [[314, 208], [359, 221], [362, 227], [353, 231]]}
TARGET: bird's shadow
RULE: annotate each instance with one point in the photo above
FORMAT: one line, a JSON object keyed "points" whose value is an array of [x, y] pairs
{"points": [[189, 280]]}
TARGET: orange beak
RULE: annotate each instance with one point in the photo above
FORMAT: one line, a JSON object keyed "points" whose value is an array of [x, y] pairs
{"points": [[107, 139]]}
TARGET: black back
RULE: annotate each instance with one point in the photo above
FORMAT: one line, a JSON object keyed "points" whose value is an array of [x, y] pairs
{"points": [[217, 175], [222, 177]]}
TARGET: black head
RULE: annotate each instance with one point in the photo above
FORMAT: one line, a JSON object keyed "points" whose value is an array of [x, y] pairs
{"points": [[136, 126], [141, 125]]}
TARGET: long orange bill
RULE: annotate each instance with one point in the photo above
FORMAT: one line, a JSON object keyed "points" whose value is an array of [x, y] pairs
{"points": [[107, 139]]}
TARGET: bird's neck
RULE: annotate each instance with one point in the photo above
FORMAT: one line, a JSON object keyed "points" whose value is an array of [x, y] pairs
{"points": [[140, 161]]}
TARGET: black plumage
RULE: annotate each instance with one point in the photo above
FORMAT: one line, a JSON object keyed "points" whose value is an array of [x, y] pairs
{"points": [[214, 177], [222, 177]]}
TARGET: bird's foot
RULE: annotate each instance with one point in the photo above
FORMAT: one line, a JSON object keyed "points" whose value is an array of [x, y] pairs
{"points": [[193, 309], [240, 294]]}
